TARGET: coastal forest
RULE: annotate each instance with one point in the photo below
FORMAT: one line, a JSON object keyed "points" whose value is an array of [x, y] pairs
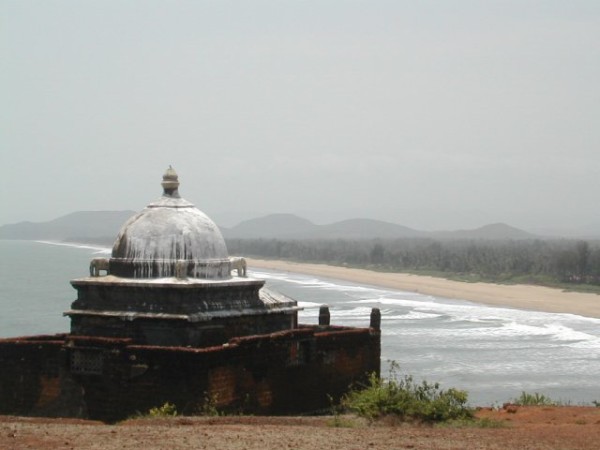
{"points": [[569, 263]]}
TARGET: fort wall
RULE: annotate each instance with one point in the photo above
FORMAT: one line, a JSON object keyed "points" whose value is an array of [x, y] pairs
{"points": [[287, 372]]}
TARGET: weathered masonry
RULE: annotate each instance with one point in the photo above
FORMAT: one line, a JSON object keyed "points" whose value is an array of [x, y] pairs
{"points": [[163, 320]]}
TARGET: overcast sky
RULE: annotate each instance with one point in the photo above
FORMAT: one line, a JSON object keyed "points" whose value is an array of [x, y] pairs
{"points": [[431, 114]]}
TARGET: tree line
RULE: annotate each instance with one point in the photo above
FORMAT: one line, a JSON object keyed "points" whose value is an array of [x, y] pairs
{"points": [[537, 261]]}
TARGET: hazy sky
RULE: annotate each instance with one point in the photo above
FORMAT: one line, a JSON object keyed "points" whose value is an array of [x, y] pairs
{"points": [[432, 114]]}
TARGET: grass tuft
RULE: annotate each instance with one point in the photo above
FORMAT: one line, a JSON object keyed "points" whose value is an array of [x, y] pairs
{"points": [[166, 410]]}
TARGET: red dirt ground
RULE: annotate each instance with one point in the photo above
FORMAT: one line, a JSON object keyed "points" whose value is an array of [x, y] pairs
{"points": [[539, 428]]}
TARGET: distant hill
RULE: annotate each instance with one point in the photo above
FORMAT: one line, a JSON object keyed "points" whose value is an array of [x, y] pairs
{"points": [[85, 226], [103, 226], [271, 226], [289, 226], [365, 229], [496, 231]]}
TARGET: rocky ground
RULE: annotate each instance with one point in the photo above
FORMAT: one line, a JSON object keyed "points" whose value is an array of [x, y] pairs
{"points": [[512, 427]]}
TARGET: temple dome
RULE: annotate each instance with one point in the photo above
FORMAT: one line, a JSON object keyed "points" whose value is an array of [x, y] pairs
{"points": [[170, 237]]}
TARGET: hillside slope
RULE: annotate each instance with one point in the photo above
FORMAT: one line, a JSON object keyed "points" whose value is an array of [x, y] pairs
{"points": [[95, 226], [80, 225]]}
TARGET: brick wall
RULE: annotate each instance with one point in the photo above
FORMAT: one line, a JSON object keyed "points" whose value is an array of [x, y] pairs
{"points": [[287, 372]]}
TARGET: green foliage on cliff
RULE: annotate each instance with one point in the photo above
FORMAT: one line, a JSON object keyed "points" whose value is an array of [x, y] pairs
{"points": [[407, 400]]}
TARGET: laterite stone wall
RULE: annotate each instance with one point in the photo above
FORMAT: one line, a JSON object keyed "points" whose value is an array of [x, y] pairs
{"points": [[287, 372]]}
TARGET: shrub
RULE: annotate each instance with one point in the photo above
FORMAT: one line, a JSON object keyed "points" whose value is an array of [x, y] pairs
{"points": [[535, 399], [166, 410], [209, 406], [407, 400]]}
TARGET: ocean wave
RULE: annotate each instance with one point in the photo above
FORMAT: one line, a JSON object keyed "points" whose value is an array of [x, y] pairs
{"points": [[291, 279], [399, 301], [411, 315], [355, 312], [589, 344], [501, 335], [309, 304], [97, 249], [563, 333], [313, 282]]}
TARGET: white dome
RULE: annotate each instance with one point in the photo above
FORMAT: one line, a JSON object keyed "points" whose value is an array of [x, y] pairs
{"points": [[168, 232]]}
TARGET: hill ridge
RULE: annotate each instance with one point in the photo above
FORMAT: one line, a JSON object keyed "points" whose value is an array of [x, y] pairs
{"points": [[95, 225]]}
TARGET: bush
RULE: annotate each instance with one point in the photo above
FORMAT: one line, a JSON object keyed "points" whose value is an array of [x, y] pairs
{"points": [[209, 406], [407, 400], [166, 410], [534, 399]]}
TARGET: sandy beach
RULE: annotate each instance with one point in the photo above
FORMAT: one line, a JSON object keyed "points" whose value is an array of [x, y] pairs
{"points": [[535, 298]]}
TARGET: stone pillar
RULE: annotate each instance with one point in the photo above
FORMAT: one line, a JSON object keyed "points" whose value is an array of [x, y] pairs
{"points": [[375, 319], [324, 316], [181, 269]]}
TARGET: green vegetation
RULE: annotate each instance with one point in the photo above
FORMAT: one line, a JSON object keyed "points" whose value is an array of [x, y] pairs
{"points": [[340, 421], [488, 423], [406, 400], [535, 399], [567, 264], [166, 410], [209, 406], [393, 400]]}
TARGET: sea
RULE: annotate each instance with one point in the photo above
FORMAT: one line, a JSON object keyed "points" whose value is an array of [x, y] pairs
{"points": [[493, 353]]}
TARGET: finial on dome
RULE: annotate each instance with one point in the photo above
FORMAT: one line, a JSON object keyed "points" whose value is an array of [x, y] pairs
{"points": [[170, 183]]}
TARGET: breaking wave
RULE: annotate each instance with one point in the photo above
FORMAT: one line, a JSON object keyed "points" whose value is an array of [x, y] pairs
{"points": [[97, 250], [464, 344]]}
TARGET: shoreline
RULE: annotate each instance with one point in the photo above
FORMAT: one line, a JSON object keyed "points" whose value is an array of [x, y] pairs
{"points": [[518, 296]]}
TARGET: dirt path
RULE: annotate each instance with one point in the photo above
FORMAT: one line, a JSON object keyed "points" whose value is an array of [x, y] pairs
{"points": [[528, 428]]}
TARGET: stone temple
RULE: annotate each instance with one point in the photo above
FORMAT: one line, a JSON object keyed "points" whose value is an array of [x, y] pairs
{"points": [[169, 283], [164, 320]]}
